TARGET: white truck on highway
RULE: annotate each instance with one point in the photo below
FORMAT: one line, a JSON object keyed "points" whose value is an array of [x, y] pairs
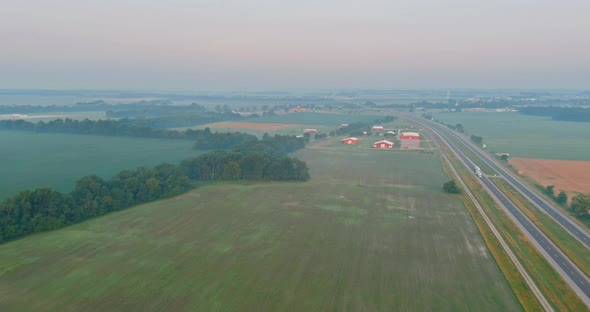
{"points": [[477, 171]]}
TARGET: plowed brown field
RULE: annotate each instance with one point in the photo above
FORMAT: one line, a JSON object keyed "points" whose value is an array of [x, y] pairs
{"points": [[567, 175]]}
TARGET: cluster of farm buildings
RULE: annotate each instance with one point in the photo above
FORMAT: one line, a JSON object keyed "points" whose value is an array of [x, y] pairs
{"points": [[406, 139]]}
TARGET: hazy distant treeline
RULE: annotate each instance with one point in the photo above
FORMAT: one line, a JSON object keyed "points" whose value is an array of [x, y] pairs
{"points": [[127, 127], [180, 120], [493, 103], [100, 105], [579, 114], [43, 209]]}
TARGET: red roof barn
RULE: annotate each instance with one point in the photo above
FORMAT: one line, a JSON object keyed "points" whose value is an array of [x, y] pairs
{"points": [[310, 131], [383, 144], [377, 128], [410, 136], [351, 140]]}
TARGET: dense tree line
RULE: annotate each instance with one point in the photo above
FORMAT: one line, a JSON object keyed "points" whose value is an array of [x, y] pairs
{"points": [[580, 205], [579, 114], [476, 139], [43, 209], [205, 139], [152, 108], [560, 198], [177, 121], [126, 127], [490, 103], [233, 165]]}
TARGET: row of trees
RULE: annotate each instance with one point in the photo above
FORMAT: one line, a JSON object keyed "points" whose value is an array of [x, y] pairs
{"points": [[43, 209], [476, 139], [224, 165], [580, 114], [179, 120], [127, 127], [560, 198], [580, 205]]}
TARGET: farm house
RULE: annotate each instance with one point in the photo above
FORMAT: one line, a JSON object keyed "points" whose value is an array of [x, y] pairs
{"points": [[383, 144], [410, 136], [351, 140]]}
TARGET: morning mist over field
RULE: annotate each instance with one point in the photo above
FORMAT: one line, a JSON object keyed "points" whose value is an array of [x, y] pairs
{"points": [[272, 155], [305, 44]]}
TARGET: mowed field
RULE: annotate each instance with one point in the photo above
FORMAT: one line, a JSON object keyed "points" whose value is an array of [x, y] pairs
{"points": [[526, 136], [371, 231], [289, 123], [321, 118], [32, 160], [251, 125], [567, 175], [257, 128]]}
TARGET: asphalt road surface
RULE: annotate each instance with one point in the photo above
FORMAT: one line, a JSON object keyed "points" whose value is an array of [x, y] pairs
{"points": [[552, 211], [574, 275]]}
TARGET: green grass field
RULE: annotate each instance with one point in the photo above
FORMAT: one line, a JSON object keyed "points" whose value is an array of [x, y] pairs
{"points": [[296, 129], [324, 122], [371, 231], [320, 119], [58, 160], [526, 136]]}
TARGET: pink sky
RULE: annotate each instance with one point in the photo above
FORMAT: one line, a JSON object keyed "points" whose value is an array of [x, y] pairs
{"points": [[269, 44]]}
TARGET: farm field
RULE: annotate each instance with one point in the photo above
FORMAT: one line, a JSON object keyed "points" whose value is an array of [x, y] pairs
{"points": [[567, 175], [320, 119], [288, 124], [371, 231], [257, 128], [57, 115], [251, 125], [58, 160], [525, 136]]}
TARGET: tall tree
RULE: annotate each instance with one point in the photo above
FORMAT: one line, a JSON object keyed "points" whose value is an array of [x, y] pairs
{"points": [[561, 198], [550, 190], [580, 204]]}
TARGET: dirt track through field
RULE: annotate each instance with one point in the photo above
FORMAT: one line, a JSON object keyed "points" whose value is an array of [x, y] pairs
{"points": [[567, 175]]}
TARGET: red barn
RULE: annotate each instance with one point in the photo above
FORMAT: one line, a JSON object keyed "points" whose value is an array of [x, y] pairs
{"points": [[383, 144], [377, 128], [310, 131], [410, 136], [351, 140]]}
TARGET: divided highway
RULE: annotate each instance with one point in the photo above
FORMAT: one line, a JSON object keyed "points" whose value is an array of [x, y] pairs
{"points": [[571, 274], [557, 215]]}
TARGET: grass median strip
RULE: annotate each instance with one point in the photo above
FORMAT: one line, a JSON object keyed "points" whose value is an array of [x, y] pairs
{"points": [[555, 289], [521, 290], [577, 252], [471, 155]]}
